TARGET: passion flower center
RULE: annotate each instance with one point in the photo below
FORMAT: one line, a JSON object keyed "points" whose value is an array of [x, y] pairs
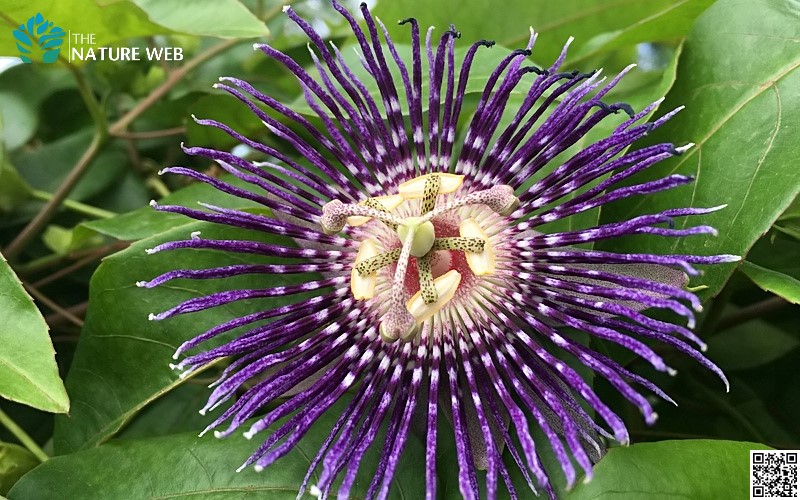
{"points": [[417, 238]]}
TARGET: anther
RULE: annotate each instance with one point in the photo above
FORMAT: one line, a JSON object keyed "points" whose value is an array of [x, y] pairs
{"points": [[415, 188], [480, 263]]}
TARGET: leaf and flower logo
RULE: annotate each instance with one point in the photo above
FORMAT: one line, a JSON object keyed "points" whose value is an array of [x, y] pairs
{"points": [[39, 40]]}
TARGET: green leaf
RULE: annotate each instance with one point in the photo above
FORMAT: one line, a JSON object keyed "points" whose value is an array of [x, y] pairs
{"points": [[23, 88], [748, 345], [109, 22], [697, 469], [146, 221], [773, 281], [13, 189], [789, 221], [670, 23], [221, 18], [745, 152], [15, 461], [122, 360], [508, 24], [28, 371], [184, 465], [46, 166]]}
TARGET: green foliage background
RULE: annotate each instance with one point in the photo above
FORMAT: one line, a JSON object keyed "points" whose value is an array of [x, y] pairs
{"points": [[82, 144]]}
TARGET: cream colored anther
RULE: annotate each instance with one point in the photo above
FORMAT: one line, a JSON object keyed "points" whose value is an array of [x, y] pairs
{"points": [[446, 286], [363, 287], [389, 202], [415, 188], [481, 263]]}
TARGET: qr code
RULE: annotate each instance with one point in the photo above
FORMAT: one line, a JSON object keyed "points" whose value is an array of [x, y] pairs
{"points": [[773, 474]]}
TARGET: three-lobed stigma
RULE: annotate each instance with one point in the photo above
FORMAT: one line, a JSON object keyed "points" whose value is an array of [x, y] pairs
{"points": [[416, 238]]}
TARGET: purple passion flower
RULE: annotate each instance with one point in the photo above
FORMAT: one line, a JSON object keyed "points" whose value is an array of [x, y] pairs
{"points": [[434, 295]]}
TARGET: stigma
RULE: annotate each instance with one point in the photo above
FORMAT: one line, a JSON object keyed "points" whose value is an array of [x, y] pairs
{"points": [[419, 246]]}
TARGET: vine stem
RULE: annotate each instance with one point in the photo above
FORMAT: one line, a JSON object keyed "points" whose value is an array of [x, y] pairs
{"points": [[75, 206], [100, 138], [50, 208], [23, 437], [104, 131]]}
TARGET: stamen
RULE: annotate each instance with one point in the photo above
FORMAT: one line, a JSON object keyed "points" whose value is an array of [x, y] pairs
{"points": [[363, 284], [446, 286], [381, 203], [372, 264], [415, 188], [480, 263], [500, 199], [426, 284], [461, 244]]}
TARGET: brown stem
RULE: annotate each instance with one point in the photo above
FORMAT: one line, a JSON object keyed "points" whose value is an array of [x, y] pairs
{"points": [[120, 126], [66, 271], [752, 311], [51, 207], [52, 305], [54, 260], [78, 310], [150, 134]]}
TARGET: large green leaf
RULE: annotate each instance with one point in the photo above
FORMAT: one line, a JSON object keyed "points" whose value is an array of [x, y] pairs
{"points": [[753, 343], [697, 469], [738, 78], [183, 465], [673, 22], [45, 167], [773, 281], [109, 23], [508, 23], [28, 371], [121, 363], [145, 221], [13, 189], [15, 461], [222, 18]]}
